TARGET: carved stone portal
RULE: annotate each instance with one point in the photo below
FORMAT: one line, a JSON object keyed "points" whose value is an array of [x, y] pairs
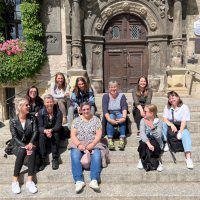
{"points": [[126, 6], [153, 26], [143, 11], [108, 12]]}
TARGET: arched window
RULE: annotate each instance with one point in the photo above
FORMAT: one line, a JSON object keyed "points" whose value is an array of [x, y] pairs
{"points": [[134, 32], [116, 33]]}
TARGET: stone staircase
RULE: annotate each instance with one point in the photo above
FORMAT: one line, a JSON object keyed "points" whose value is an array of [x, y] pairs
{"points": [[121, 179]]}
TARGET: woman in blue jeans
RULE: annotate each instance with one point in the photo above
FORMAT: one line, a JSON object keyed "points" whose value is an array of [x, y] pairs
{"points": [[181, 115], [114, 113], [86, 129]]}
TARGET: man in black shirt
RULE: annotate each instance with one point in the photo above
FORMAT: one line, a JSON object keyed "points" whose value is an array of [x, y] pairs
{"points": [[50, 127]]}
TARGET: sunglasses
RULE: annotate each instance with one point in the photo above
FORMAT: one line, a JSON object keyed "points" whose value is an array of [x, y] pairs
{"points": [[33, 92], [86, 109], [27, 105]]}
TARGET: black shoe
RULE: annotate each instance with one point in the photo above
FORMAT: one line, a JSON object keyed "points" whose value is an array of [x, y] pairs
{"points": [[55, 164], [42, 165]]}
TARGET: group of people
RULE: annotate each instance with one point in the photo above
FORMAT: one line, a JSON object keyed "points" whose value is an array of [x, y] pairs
{"points": [[40, 120]]}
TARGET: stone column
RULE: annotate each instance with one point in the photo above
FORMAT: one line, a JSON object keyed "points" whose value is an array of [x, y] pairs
{"points": [[76, 36], [177, 35], [176, 73]]}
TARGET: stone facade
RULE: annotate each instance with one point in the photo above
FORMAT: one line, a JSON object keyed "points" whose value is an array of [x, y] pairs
{"points": [[75, 42]]}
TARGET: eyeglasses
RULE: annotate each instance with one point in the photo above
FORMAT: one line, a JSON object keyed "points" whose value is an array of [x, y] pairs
{"points": [[146, 112], [33, 92], [87, 109], [112, 87]]}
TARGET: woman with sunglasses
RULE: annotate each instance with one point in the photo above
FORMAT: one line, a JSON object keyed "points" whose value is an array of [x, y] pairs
{"points": [[23, 128], [81, 93], [114, 114], [142, 96], [36, 103], [86, 129], [60, 91], [150, 135], [181, 113]]}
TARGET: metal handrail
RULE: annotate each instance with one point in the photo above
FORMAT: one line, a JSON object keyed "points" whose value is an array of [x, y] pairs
{"points": [[189, 71], [35, 85]]}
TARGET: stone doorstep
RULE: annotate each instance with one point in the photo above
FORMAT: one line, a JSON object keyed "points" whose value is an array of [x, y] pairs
{"points": [[129, 155], [113, 191], [131, 141], [119, 173]]}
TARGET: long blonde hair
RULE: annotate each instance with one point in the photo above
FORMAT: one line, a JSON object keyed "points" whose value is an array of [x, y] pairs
{"points": [[64, 85]]}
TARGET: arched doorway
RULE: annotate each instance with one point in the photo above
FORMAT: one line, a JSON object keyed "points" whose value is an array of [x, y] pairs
{"points": [[125, 51]]}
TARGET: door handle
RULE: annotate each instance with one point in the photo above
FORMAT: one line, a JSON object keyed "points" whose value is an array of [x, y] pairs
{"points": [[128, 59]]}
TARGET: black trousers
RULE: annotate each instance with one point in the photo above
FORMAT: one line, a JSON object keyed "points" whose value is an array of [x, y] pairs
{"points": [[55, 142], [143, 146], [21, 153], [137, 116]]}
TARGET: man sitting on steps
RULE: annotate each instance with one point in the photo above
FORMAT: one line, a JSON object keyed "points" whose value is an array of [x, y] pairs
{"points": [[50, 126]]}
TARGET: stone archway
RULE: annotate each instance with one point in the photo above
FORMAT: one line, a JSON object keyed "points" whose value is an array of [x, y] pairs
{"points": [[125, 51]]}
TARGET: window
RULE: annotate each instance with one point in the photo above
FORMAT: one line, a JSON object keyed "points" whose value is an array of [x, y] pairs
{"points": [[134, 32], [13, 20], [116, 33]]}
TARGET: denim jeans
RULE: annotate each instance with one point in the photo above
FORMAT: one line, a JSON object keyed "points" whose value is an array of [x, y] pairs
{"points": [[185, 137], [95, 166], [122, 127], [71, 115]]}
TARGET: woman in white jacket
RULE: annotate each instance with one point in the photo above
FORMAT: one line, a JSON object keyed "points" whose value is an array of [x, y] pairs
{"points": [[61, 93]]}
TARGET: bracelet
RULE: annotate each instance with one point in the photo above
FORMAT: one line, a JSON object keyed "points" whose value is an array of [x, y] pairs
{"points": [[94, 143], [124, 118], [78, 145]]}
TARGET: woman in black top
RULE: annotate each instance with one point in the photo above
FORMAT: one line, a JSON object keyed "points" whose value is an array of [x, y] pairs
{"points": [[23, 128], [142, 96], [36, 103]]}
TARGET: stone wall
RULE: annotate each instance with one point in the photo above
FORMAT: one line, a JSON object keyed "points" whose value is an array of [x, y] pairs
{"points": [[192, 15]]}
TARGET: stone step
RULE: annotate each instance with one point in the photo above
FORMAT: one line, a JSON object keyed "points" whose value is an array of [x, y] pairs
{"points": [[115, 172], [113, 191], [129, 155]]}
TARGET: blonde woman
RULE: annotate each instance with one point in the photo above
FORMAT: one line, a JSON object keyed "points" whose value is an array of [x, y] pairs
{"points": [[24, 132], [150, 135]]}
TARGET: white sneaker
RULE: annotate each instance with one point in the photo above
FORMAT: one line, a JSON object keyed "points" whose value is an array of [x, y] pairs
{"points": [[189, 163], [140, 166], [31, 186], [79, 186], [160, 168], [166, 148], [94, 185], [15, 188]]}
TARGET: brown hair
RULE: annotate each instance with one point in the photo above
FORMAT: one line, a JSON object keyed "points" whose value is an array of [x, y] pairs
{"points": [[152, 108], [173, 93], [64, 85], [28, 96], [85, 104], [86, 86], [146, 89]]}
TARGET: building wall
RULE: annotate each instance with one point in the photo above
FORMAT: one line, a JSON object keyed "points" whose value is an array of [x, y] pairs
{"points": [[193, 12]]}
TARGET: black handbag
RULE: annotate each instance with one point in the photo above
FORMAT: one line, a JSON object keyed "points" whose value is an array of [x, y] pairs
{"points": [[175, 145], [150, 163], [9, 148]]}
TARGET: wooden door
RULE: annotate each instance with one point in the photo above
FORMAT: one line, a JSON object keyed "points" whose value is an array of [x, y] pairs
{"points": [[125, 53]]}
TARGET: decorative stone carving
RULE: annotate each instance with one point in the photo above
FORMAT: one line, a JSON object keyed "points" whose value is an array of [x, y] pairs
{"points": [[50, 16], [170, 13], [49, 9], [89, 14], [126, 6], [156, 83], [153, 26], [96, 49], [156, 2], [98, 26], [162, 14], [155, 48], [77, 55], [108, 12], [53, 42], [177, 43], [143, 11], [51, 39]]}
